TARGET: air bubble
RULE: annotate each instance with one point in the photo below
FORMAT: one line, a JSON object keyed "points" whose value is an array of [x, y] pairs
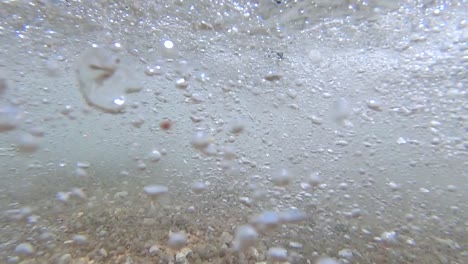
{"points": [[177, 240], [199, 187], [281, 178], [277, 254], [153, 70], [374, 105], [390, 237], [155, 191], [78, 193], [326, 260], [138, 121], [315, 56], [169, 50], [342, 109], [81, 173], [292, 216], [63, 197], [10, 118], [141, 165], [237, 126], [27, 143], [103, 81], [346, 254], [200, 140], [314, 179], [80, 239], [182, 83], [24, 249], [267, 220], [245, 201], [82, 164], [245, 236], [3, 84], [154, 156]]}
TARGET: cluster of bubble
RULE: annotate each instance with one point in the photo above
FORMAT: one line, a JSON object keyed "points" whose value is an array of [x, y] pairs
{"points": [[25, 137]]}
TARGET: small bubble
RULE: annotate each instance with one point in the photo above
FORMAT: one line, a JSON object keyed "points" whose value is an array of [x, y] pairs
{"points": [[63, 197], [141, 165], [177, 240], [281, 178], [10, 118], [182, 83], [267, 220], [81, 173], [3, 84], [24, 249], [168, 44], [315, 56], [27, 143], [327, 260], [346, 253], [138, 121], [80, 239], [374, 105], [237, 126], [199, 187], [245, 236], [154, 156], [155, 191], [200, 140], [277, 254], [314, 179], [153, 70]]}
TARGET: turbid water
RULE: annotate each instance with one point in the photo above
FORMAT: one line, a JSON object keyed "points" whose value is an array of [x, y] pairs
{"points": [[265, 131]]}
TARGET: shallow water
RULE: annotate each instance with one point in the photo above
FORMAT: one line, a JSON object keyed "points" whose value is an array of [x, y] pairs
{"points": [[233, 132]]}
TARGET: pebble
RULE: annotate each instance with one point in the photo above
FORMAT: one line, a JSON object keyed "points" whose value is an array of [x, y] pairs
{"points": [[129, 260], [13, 259], [374, 105], [28, 261], [103, 252], [452, 188], [120, 194], [346, 253], [448, 242], [226, 238], [389, 237], [65, 259], [245, 201], [253, 254], [181, 83], [181, 256], [153, 250], [272, 76], [295, 245]]}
